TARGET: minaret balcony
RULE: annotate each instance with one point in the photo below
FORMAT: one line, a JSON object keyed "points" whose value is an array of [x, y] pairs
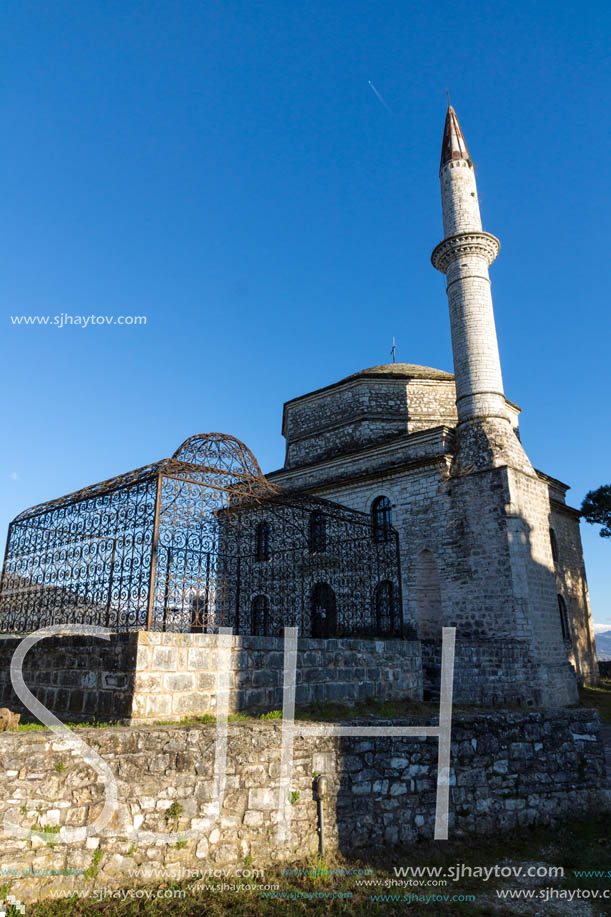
{"points": [[482, 243]]}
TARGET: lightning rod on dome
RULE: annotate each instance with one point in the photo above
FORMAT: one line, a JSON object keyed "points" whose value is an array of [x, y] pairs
{"points": [[393, 350]]}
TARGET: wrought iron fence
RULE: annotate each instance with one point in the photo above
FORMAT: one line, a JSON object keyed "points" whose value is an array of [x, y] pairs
{"points": [[196, 541]]}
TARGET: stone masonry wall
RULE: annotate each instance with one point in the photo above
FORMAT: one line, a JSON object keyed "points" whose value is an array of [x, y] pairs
{"points": [[507, 769], [572, 584], [528, 513], [75, 677], [176, 673], [488, 533], [151, 676], [363, 412], [459, 201], [486, 673]]}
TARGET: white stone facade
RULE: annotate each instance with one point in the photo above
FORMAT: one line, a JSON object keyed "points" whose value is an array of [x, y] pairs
{"points": [[464, 257], [459, 200]]}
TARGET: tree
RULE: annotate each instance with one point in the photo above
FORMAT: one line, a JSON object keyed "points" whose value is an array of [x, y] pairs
{"points": [[596, 509]]}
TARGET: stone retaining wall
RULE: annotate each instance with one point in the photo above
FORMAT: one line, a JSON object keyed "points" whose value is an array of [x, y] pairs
{"points": [[507, 769], [75, 677], [147, 676]]}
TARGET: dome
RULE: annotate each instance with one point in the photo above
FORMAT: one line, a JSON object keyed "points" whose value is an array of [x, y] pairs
{"points": [[402, 371], [367, 408], [221, 452]]}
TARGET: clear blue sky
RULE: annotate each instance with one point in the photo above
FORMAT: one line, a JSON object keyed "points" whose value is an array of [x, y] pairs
{"points": [[225, 169]]}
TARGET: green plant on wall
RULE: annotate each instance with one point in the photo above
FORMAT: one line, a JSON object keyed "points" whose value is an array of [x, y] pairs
{"points": [[92, 871], [51, 829], [173, 813]]}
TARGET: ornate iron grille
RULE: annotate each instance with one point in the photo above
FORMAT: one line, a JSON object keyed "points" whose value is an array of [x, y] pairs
{"points": [[177, 546]]}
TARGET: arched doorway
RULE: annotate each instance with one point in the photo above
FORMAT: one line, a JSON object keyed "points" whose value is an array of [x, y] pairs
{"points": [[324, 611]]}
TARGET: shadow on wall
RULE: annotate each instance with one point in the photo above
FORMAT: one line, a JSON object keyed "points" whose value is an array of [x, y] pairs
{"points": [[386, 792], [430, 618], [76, 678], [574, 612], [514, 643], [499, 779]]}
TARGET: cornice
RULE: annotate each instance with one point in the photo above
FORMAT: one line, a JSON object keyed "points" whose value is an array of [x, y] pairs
{"points": [[439, 439], [465, 243]]}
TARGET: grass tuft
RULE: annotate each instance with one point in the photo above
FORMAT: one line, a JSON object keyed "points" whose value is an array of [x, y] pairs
{"points": [[579, 845], [92, 871]]}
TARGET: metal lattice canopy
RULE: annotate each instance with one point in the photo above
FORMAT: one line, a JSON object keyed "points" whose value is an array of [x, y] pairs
{"points": [[196, 541]]}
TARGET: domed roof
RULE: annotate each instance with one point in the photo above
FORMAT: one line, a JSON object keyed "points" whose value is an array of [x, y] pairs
{"points": [[390, 371], [402, 371]]}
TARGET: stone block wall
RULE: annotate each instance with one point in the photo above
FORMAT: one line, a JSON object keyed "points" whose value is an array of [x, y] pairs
{"points": [[507, 769], [360, 412], [488, 534], [176, 673], [143, 677], [460, 205], [572, 584], [75, 677], [486, 673]]}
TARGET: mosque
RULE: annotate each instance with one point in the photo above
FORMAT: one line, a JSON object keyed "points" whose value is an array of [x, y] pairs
{"points": [[406, 504], [487, 542]]}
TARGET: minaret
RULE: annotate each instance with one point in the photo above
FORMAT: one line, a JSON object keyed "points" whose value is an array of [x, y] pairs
{"points": [[464, 257]]}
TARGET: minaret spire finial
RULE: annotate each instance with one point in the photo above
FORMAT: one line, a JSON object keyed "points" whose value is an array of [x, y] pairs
{"points": [[453, 145]]}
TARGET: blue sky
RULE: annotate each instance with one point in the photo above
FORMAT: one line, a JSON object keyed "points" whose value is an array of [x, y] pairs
{"points": [[225, 169]]}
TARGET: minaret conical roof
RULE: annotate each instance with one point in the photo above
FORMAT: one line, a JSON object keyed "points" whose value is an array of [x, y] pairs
{"points": [[453, 145]]}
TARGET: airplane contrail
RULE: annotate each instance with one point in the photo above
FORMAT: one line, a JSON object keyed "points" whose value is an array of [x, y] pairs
{"points": [[381, 98]]}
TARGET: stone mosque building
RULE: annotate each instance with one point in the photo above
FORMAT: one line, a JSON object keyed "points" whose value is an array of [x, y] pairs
{"points": [[487, 542], [406, 504]]}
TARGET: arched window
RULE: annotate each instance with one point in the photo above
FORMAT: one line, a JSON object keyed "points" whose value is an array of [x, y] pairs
{"points": [[554, 543], [564, 618], [386, 617], [260, 623], [381, 519], [317, 540], [262, 541], [324, 611]]}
